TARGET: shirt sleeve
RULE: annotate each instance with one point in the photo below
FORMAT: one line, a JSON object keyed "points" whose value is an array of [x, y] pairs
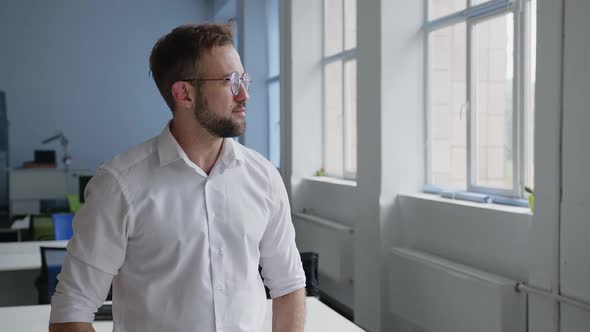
{"points": [[95, 252], [282, 269], [80, 291]]}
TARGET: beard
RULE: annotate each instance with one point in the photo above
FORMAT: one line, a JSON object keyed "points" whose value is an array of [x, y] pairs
{"points": [[215, 124]]}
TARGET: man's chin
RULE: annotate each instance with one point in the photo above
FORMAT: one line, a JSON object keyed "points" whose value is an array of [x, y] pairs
{"points": [[235, 133], [240, 126]]}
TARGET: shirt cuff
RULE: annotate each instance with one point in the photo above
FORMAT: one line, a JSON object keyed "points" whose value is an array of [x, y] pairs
{"points": [[66, 309], [286, 290]]}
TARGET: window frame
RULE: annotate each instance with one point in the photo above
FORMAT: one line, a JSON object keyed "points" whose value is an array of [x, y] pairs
{"points": [[271, 79], [345, 56], [471, 16]]}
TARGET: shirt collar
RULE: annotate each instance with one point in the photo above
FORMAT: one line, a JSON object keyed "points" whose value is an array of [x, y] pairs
{"points": [[169, 150]]}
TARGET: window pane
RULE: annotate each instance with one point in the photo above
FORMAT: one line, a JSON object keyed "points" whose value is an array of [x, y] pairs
{"points": [[333, 26], [272, 14], [274, 107], [349, 24], [440, 8], [493, 42], [333, 119], [530, 79], [350, 117], [447, 98]]}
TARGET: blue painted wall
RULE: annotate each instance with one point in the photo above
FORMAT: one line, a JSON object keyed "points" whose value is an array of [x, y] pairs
{"points": [[82, 67], [253, 49]]}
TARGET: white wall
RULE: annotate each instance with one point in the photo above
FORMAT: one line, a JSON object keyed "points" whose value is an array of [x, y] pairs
{"points": [[544, 235], [575, 228], [82, 67]]}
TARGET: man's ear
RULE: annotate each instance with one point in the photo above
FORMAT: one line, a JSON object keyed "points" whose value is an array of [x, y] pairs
{"points": [[181, 92]]}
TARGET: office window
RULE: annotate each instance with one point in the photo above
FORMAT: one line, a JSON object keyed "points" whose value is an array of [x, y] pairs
{"points": [[480, 91], [339, 91], [273, 83]]}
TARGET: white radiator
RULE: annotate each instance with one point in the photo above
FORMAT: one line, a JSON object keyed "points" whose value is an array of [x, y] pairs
{"points": [[331, 240], [441, 296]]}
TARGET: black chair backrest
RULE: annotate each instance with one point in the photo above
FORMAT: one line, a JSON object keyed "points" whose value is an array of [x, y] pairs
{"points": [[8, 235], [51, 262], [309, 261]]}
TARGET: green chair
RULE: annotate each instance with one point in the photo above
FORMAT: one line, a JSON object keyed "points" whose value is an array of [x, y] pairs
{"points": [[41, 228], [74, 203]]}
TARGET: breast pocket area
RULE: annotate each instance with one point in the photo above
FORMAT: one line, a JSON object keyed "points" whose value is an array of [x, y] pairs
{"points": [[165, 222], [246, 220]]}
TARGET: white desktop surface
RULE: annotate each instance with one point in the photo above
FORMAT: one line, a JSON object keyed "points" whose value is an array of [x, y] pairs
{"points": [[28, 246], [319, 318], [16, 256]]}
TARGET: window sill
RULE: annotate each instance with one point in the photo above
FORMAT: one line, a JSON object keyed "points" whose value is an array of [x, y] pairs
{"points": [[489, 206], [332, 180]]}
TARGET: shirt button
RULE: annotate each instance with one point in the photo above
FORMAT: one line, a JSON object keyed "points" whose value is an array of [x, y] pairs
{"points": [[216, 251], [219, 287]]}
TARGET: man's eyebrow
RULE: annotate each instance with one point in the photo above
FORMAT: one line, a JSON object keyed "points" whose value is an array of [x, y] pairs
{"points": [[237, 71]]}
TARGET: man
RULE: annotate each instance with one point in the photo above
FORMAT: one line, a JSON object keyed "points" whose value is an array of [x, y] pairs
{"points": [[180, 223]]}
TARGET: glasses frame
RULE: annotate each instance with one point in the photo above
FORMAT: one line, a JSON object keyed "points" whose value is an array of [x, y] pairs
{"points": [[234, 79]]}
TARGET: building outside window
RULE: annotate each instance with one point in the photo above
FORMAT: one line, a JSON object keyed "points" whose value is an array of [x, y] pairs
{"points": [[339, 88]]}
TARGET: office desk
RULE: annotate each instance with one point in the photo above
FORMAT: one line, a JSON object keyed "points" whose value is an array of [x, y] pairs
{"points": [[319, 317], [16, 256], [20, 264]]}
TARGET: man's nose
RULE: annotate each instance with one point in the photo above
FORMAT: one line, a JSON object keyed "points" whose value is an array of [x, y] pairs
{"points": [[242, 94]]}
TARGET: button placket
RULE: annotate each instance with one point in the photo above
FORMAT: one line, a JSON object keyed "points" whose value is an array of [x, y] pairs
{"points": [[214, 196]]}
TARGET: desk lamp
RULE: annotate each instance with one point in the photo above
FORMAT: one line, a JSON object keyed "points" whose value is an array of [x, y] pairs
{"points": [[67, 159]]}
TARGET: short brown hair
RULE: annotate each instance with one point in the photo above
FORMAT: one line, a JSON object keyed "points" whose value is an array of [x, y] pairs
{"points": [[176, 55]]}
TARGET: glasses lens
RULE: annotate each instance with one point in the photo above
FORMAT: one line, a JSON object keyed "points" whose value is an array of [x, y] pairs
{"points": [[234, 80], [247, 81]]}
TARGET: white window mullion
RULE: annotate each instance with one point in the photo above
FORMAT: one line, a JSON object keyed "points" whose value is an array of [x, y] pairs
{"points": [[344, 104], [471, 115], [323, 101], [529, 55], [427, 101], [519, 106], [344, 117]]}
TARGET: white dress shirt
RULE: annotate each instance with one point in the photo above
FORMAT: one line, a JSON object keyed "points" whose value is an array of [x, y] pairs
{"points": [[181, 247]]}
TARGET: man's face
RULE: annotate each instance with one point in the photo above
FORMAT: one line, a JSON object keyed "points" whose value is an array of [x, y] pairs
{"points": [[216, 108]]}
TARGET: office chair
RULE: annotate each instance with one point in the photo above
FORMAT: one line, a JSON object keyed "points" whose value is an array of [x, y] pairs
{"points": [[9, 235], [51, 261], [62, 226], [41, 228], [309, 261]]}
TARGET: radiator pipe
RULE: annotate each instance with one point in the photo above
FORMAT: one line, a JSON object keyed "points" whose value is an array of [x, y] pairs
{"points": [[325, 222], [521, 287]]}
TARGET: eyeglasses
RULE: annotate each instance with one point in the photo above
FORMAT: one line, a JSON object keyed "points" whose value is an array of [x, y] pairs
{"points": [[234, 80]]}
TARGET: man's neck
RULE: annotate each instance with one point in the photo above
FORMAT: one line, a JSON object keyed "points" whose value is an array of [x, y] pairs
{"points": [[200, 146]]}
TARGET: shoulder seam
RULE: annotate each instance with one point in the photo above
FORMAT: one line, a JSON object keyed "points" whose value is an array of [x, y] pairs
{"points": [[124, 190]]}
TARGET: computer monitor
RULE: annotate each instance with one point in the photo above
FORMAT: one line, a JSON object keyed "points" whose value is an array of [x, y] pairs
{"points": [[83, 181]]}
